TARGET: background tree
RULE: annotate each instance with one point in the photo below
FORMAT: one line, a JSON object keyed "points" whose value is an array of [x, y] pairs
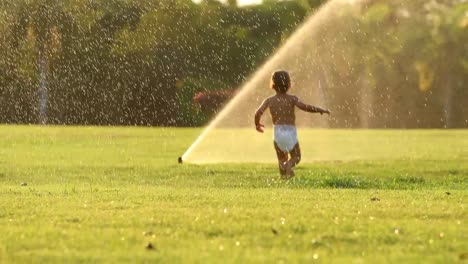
{"points": [[129, 62]]}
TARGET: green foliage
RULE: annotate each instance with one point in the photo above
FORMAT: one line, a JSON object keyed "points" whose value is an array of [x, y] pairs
{"points": [[402, 63], [118, 62]]}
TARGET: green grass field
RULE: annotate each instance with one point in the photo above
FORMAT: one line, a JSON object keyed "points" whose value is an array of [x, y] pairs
{"points": [[87, 194]]}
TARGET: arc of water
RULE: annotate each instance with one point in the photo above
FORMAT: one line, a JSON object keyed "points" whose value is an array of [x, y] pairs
{"points": [[315, 18]]}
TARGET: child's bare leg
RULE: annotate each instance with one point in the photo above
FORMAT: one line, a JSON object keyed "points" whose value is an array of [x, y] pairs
{"points": [[293, 161], [295, 156], [282, 158]]}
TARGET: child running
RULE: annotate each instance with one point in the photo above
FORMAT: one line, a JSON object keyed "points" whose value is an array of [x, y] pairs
{"points": [[282, 106]]}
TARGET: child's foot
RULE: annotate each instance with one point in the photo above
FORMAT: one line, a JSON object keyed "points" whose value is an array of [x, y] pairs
{"points": [[291, 173], [282, 170], [289, 170]]}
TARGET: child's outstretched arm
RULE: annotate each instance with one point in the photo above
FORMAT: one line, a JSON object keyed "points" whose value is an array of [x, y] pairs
{"points": [[258, 115], [310, 108]]}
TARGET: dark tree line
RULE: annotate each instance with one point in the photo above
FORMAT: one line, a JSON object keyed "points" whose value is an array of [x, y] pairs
{"points": [[130, 62], [142, 62]]}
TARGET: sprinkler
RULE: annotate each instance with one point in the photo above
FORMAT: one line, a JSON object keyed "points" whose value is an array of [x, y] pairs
{"points": [[179, 160]]}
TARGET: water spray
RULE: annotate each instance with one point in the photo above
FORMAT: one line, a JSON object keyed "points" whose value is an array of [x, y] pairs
{"points": [[257, 79]]}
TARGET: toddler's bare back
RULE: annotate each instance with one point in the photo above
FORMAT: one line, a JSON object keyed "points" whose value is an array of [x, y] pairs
{"points": [[282, 109]]}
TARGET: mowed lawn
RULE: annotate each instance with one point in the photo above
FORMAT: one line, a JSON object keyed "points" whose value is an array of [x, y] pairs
{"points": [[112, 194]]}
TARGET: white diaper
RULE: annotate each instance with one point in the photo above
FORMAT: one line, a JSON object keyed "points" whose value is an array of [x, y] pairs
{"points": [[285, 137]]}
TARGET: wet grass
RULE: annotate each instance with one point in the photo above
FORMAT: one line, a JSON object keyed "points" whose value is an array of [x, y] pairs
{"points": [[71, 194]]}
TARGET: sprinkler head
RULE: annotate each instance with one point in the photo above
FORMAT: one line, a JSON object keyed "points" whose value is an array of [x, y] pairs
{"points": [[179, 160]]}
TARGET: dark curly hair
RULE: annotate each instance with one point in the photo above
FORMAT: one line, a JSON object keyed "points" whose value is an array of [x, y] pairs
{"points": [[280, 81]]}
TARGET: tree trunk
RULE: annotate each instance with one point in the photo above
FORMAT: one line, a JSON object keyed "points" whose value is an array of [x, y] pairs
{"points": [[43, 63]]}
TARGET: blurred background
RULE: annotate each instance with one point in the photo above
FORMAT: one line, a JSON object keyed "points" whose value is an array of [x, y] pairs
{"points": [[176, 62]]}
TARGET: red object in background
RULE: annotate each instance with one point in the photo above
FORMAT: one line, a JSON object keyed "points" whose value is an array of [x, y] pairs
{"points": [[210, 101]]}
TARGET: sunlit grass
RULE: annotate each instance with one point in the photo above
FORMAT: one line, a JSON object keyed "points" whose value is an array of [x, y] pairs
{"points": [[102, 194], [247, 145]]}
